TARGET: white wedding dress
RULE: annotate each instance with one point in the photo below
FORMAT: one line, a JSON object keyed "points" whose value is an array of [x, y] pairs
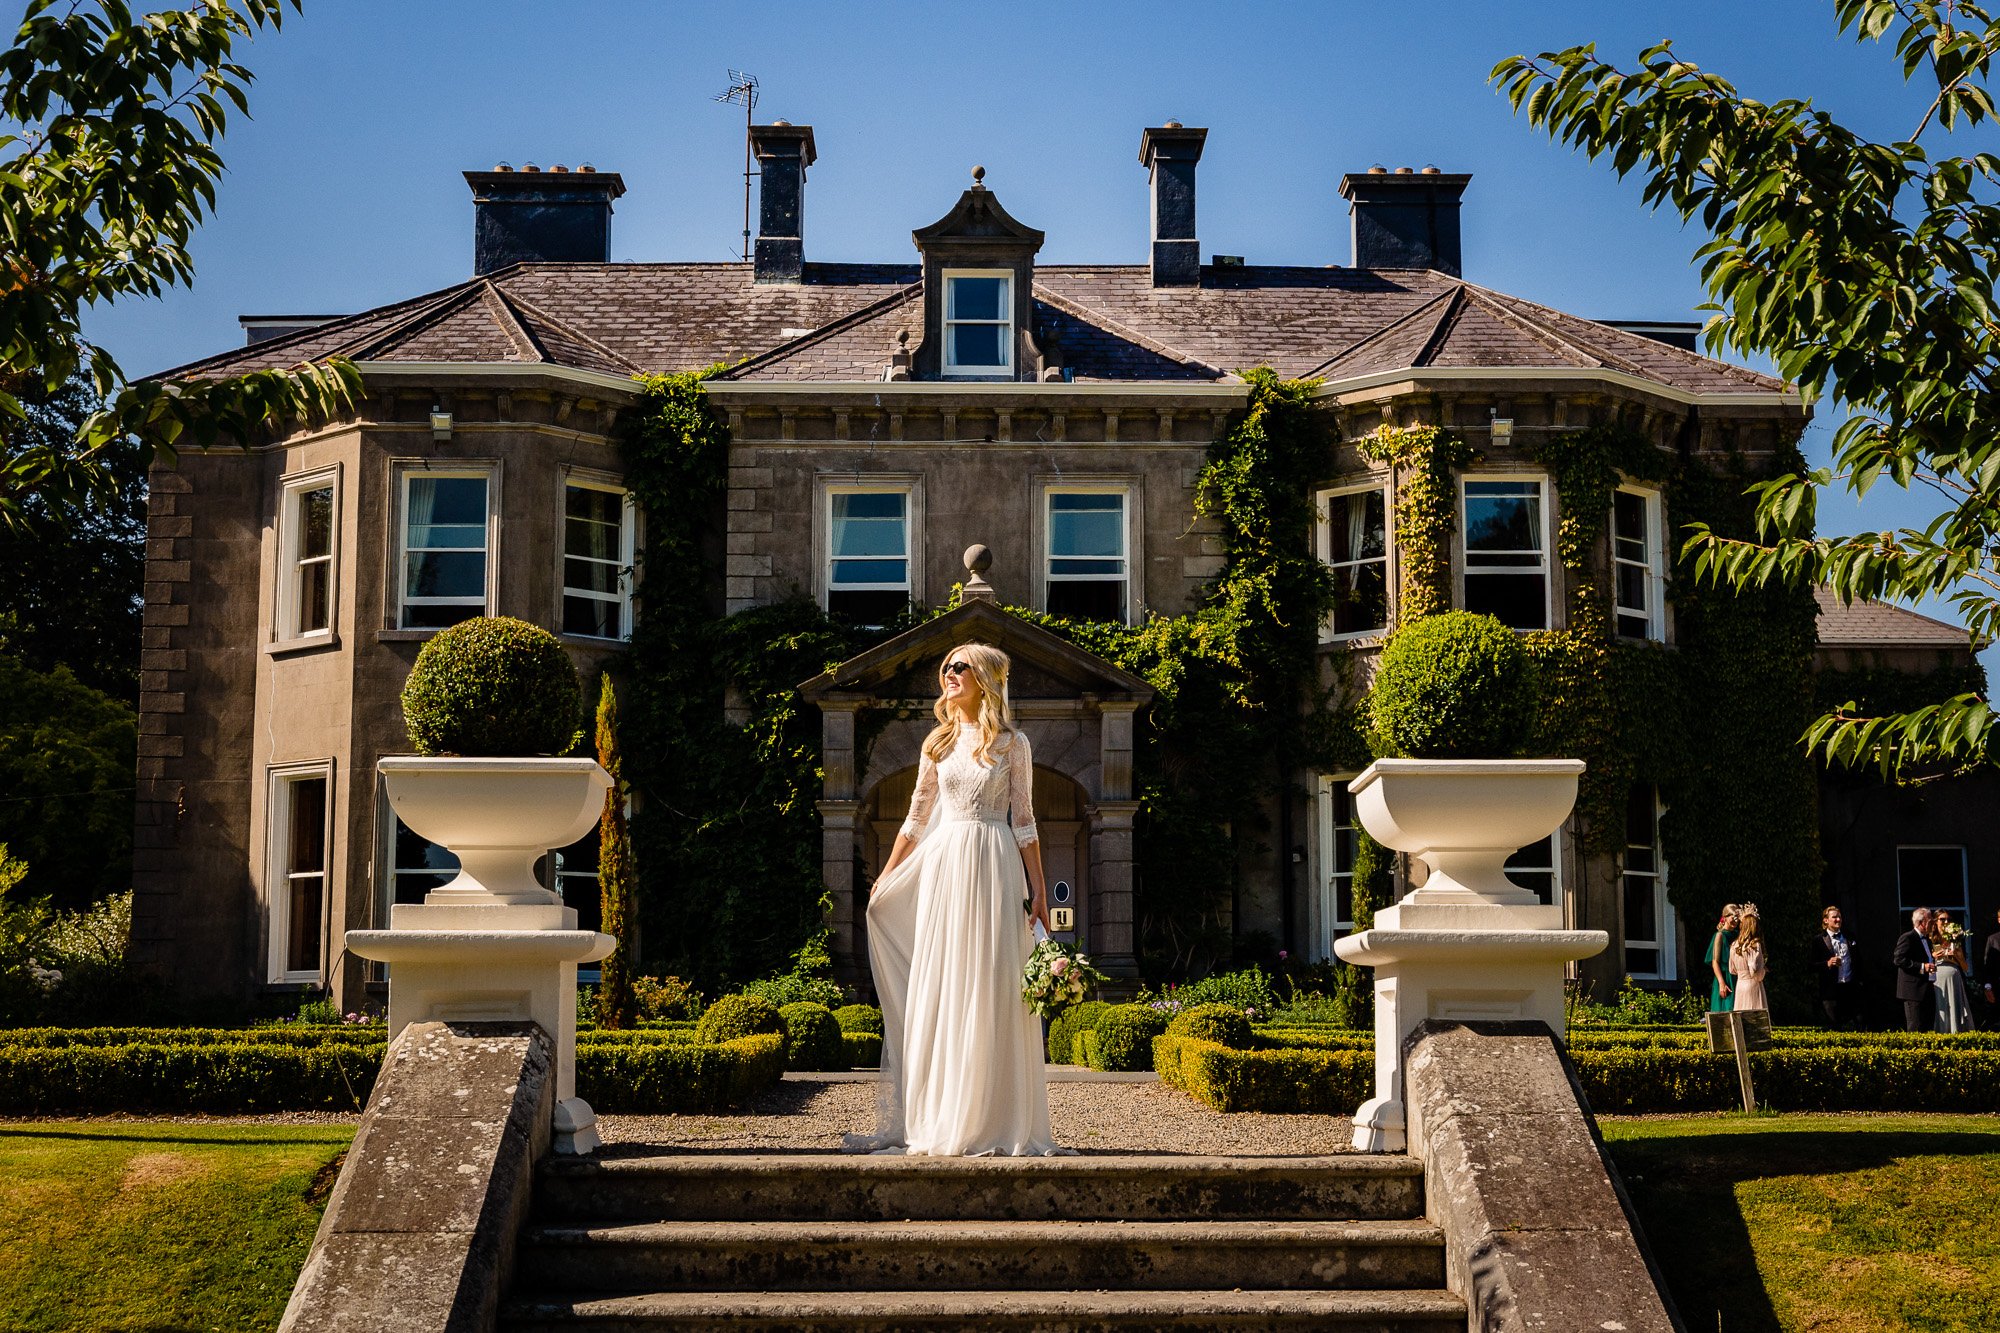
{"points": [[948, 935]]}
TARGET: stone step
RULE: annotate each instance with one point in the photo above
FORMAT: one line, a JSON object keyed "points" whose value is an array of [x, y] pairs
{"points": [[1002, 1311], [836, 1187], [972, 1256]]}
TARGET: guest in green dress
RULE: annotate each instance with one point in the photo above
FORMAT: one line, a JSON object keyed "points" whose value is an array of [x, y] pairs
{"points": [[1720, 995]]}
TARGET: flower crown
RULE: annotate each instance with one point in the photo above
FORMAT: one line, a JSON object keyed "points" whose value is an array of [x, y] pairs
{"points": [[1748, 909]]}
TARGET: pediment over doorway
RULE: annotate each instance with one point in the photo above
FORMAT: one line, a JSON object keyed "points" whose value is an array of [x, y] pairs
{"points": [[1045, 666]]}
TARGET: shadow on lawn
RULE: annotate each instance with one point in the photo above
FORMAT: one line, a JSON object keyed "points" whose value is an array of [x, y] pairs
{"points": [[1684, 1189]]}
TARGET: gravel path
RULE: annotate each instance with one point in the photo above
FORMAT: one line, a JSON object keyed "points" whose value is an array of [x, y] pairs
{"points": [[804, 1114]]}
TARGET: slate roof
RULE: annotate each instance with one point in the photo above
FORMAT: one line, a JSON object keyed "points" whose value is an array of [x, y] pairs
{"points": [[1108, 321], [1881, 625]]}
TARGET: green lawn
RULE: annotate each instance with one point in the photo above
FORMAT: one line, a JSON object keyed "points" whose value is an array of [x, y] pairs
{"points": [[153, 1227], [1827, 1223]]}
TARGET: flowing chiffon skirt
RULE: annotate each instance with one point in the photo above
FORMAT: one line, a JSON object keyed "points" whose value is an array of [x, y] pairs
{"points": [[962, 1068], [1954, 1008]]}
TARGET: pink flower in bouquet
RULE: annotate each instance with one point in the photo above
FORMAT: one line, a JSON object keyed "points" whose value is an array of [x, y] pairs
{"points": [[1059, 966]]}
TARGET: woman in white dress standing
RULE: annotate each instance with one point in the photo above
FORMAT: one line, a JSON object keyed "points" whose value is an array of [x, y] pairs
{"points": [[948, 935]]}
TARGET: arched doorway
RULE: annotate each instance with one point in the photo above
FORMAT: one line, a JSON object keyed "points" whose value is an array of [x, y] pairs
{"points": [[1062, 818]]}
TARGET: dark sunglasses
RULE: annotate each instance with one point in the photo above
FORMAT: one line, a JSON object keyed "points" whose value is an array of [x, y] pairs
{"points": [[955, 668]]}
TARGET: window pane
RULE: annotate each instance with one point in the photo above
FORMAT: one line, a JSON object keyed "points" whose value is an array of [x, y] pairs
{"points": [[1632, 588], [1364, 598], [979, 298], [434, 616], [871, 571], [868, 524], [315, 596], [1517, 599], [1088, 601], [1628, 525], [1503, 516], [305, 895], [448, 500], [595, 540], [1087, 524], [315, 522], [1533, 868], [587, 502], [1086, 568], [1641, 916], [420, 865], [977, 345], [448, 574], [592, 618], [866, 608], [590, 576], [1642, 962], [307, 849], [1356, 527]]}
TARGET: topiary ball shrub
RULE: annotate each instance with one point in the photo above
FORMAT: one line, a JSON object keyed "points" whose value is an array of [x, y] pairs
{"points": [[736, 1016], [1125, 1035], [1213, 1022], [493, 686], [812, 1039], [859, 1018], [1453, 686]]}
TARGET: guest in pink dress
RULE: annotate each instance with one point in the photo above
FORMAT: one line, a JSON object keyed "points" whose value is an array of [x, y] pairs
{"points": [[1748, 960]]}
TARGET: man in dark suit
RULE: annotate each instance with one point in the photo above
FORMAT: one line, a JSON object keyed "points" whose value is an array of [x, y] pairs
{"points": [[1914, 970], [1835, 967], [1989, 973]]}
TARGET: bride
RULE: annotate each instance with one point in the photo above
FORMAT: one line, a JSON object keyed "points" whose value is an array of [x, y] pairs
{"points": [[962, 1068]]}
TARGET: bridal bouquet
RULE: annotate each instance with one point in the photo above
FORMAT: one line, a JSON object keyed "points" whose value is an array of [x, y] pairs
{"points": [[1056, 977]]}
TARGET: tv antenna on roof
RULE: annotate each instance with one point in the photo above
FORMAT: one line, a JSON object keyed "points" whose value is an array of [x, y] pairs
{"points": [[742, 90]]}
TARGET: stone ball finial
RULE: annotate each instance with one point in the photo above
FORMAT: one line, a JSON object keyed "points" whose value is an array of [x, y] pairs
{"points": [[978, 559], [902, 337], [1173, 124], [979, 178]]}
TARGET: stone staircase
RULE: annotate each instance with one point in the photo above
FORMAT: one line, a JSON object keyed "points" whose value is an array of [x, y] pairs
{"points": [[757, 1244]]}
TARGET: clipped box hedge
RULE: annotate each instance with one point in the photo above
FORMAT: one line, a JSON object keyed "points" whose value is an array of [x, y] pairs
{"points": [[864, 1049], [1286, 1080], [639, 1078], [218, 1077], [304, 1036], [1913, 1077]]}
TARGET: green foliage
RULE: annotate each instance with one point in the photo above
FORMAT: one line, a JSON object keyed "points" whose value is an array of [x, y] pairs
{"points": [[1220, 1023], [1426, 510], [317, 1013], [1637, 1005], [1287, 1081], [1865, 271], [812, 1037], [1124, 1037], [666, 998], [1247, 990], [736, 1016], [67, 755], [798, 988], [493, 685], [1065, 1026], [662, 1078], [223, 1078], [864, 1049], [859, 1018], [1317, 1009], [290, 1035], [1645, 1080], [110, 164], [1878, 691], [1453, 686], [617, 1000]]}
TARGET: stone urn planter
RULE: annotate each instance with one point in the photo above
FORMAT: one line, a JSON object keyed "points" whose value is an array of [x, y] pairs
{"points": [[1468, 943], [492, 945]]}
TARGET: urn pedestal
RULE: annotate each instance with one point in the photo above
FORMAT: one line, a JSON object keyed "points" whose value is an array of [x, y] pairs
{"points": [[493, 945], [1469, 944]]}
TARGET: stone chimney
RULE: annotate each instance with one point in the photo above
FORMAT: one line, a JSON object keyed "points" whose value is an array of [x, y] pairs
{"points": [[784, 151], [535, 216], [1405, 218], [1169, 155]]}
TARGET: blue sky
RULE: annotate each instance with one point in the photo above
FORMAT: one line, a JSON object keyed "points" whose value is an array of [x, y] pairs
{"points": [[344, 188]]}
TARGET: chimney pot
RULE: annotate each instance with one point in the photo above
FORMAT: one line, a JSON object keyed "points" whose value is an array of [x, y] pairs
{"points": [[529, 166], [563, 219], [1170, 154], [560, 167], [1406, 219], [784, 151]]}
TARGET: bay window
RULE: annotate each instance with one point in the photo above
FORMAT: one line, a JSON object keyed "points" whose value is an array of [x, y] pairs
{"points": [[1504, 521], [1354, 544], [445, 545]]}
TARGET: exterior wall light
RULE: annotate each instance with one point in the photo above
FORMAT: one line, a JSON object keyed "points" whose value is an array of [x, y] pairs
{"points": [[1502, 430], [440, 424]]}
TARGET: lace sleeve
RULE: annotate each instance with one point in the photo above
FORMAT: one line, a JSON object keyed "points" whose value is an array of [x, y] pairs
{"points": [[1021, 790], [922, 801]]}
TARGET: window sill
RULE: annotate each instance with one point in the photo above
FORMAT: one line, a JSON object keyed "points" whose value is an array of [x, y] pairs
{"points": [[308, 644], [404, 635], [592, 641]]}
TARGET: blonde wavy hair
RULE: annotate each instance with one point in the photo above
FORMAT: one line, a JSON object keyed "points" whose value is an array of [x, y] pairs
{"points": [[989, 670], [1750, 931]]}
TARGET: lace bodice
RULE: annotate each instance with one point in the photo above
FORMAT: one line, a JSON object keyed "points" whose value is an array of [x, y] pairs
{"points": [[972, 792]]}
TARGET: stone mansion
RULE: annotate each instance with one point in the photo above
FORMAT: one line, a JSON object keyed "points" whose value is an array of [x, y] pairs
{"points": [[884, 417]]}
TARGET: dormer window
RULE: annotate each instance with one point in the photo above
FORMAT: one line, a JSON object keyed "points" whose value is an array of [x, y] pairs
{"points": [[979, 323]]}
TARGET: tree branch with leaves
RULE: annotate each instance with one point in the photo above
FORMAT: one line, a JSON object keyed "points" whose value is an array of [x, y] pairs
{"points": [[1865, 272], [111, 165]]}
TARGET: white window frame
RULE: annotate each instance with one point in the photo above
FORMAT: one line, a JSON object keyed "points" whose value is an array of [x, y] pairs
{"points": [[490, 473], [1654, 567], [1461, 551], [1905, 905], [1663, 908], [1558, 846], [278, 807], [628, 546], [1045, 520], [911, 489], [1006, 323], [1323, 539], [1328, 925], [291, 531]]}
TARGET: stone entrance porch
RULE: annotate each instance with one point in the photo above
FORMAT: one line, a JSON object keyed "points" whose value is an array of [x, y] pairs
{"points": [[1078, 712]]}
